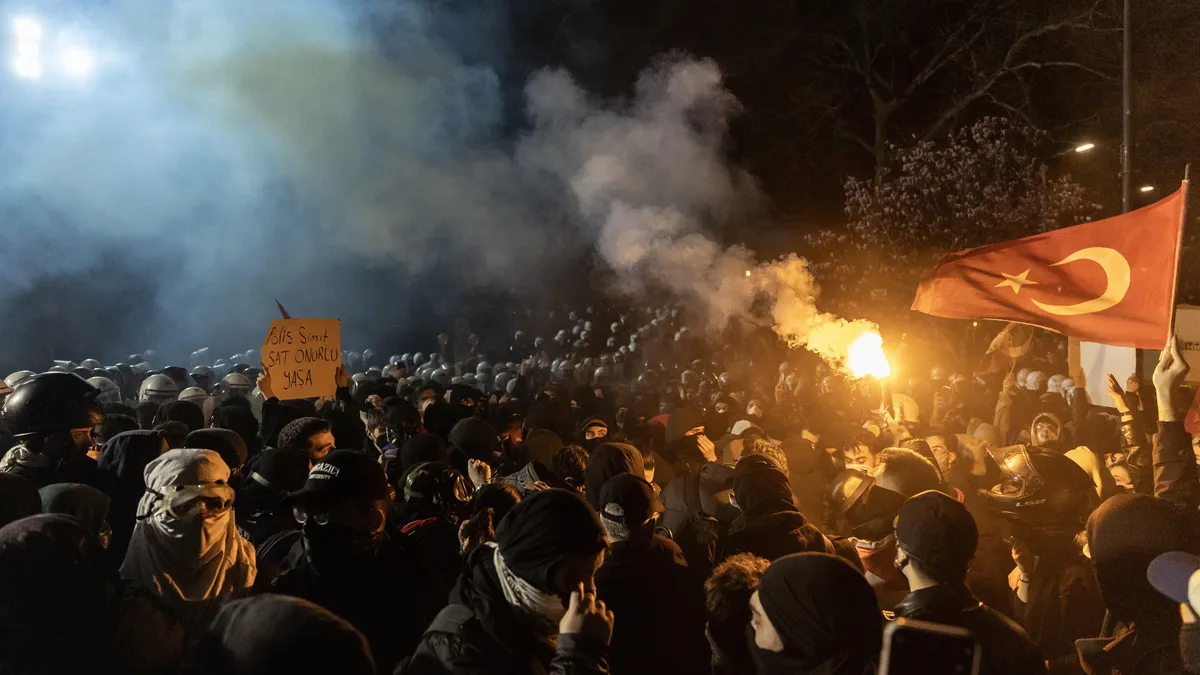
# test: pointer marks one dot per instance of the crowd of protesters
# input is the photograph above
(613, 497)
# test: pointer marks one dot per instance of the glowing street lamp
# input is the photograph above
(1146, 188)
(1085, 147)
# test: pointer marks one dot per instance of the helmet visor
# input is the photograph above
(1021, 478)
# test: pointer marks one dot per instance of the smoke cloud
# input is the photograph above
(348, 161)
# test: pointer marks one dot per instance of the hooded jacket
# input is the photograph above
(490, 626)
(1141, 632)
(770, 526)
(661, 603)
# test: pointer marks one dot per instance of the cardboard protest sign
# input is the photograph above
(302, 357)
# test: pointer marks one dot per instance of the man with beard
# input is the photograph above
(350, 566)
(52, 416)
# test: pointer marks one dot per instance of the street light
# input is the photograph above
(1085, 147)
(1146, 188)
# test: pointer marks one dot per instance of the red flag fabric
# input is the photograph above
(1192, 421)
(1111, 281)
(283, 312)
(1012, 343)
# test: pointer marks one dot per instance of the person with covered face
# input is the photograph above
(770, 526)
(186, 546)
(935, 543)
(1046, 498)
(51, 416)
(814, 614)
(526, 603)
(646, 581)
(350, 565)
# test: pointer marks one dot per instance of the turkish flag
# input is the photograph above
(1111, 281)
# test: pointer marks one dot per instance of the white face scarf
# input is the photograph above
(545, 610)
(188, 561)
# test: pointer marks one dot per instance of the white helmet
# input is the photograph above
(1036, 381)
(201, 398)
(18, 377)
(235, 384)
(1067, 386)
(1054, 384)
(194, 394)
(441, 376)
(1022, 377)
(109, 391)
(157, 389)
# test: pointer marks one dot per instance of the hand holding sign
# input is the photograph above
(301, 358)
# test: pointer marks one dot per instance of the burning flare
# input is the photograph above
(865, 356)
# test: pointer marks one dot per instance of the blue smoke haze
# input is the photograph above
(351, 159)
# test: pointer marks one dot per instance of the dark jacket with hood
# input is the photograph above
(1005, 647)
(481, 632)
(770, 526)
(374, 592)
(122, 466)
(661, 603)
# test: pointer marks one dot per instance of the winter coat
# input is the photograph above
(1004, 646)
(775, 535)
(381, 600)
(479, 633)
(1064, 606)
(661, 604)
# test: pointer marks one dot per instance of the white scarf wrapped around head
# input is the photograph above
(192, 563)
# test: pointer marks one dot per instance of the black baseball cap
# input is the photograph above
(343, 474)
(627, 500)
(937, 529)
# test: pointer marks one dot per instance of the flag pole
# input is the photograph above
(1187, 169)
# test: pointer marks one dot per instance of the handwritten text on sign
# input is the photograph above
(302, 357)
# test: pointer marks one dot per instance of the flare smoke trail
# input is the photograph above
(648, 175)
(226, 153)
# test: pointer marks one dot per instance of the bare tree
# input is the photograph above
(912, 69)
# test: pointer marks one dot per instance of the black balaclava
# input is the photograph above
(826, 614)
(544, 529)
(761, 488)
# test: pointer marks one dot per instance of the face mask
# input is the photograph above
(334, 548)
